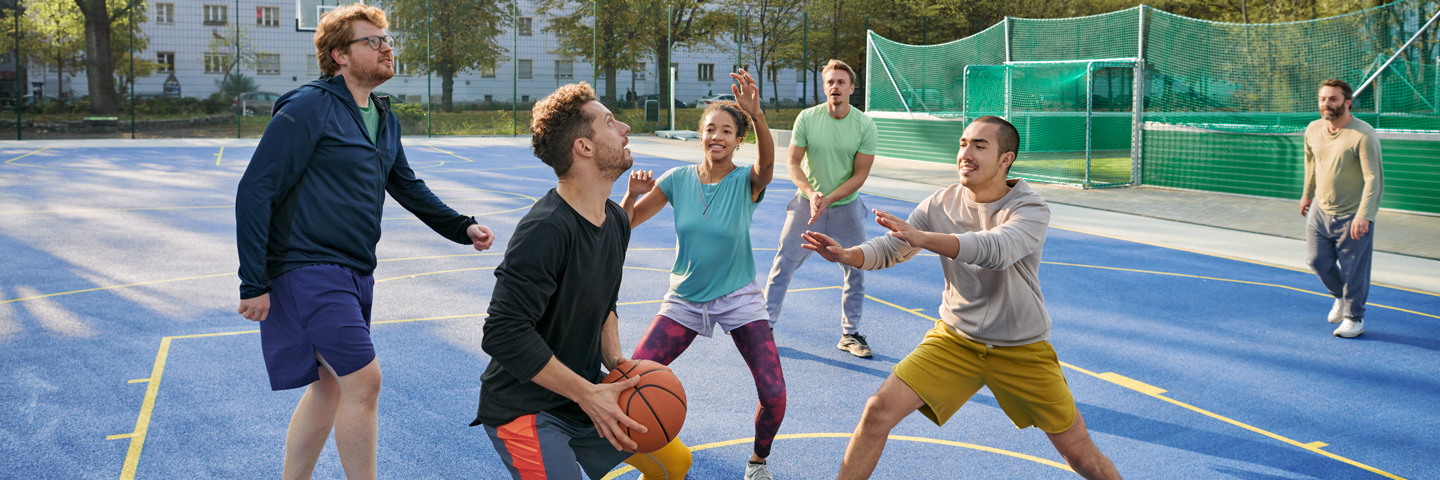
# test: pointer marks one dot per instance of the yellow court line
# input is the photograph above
(432, 147)
(1153, 391)
(115, 209)
(220, 155)
(1255, 262)
(1301, 290)
(147, 407)
(795, 436)
(435, 273)
(113, 287)
(26, 155)
(442, 163)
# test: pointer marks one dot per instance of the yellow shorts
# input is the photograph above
(946, 369)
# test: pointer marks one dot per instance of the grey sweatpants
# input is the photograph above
(845, 224)
(1342, 263)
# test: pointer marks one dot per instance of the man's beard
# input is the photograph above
(1331, 115)
(612, 162)
(372, 75)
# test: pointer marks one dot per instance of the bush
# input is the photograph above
(409, 112)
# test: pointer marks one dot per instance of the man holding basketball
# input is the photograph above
(989, 232)
(552, 320)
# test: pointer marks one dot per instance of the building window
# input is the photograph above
(524, 99)
(487, 72)
(267, 63)
(165, 13)
(675, 66)
(312, 66)
(267, 16)
(736, 68)
(706, 72)
(166, 61)
(774, 72)
(639, 72)
(527, 68)
(489, 98)
(525, 30)
(800, 76)
(564, 69)
(216, 62)
(217, 14)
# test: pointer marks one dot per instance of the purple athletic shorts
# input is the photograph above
(317, 308)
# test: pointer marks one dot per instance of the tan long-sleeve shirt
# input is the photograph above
(992, 287)
(1342, 169)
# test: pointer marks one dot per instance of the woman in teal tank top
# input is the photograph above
(713, 280)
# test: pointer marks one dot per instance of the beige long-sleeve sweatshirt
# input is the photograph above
(1342, 169)
(992, 288)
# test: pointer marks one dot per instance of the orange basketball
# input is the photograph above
(657, 402)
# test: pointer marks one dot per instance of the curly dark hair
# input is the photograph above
(742, 119)
(556, 121)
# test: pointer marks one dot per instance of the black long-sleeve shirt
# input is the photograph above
(557, 285)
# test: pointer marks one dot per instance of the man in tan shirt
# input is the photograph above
(1344, 179)
(989, 232)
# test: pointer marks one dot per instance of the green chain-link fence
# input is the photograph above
(1220, 106)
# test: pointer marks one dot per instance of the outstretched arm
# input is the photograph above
(747, 94)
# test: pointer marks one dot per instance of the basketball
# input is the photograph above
(657, 402)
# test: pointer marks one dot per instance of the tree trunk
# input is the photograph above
(610, 84)
(447, 88)
(99, 64)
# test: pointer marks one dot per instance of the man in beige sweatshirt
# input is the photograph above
(1344, 179)
(993, 327)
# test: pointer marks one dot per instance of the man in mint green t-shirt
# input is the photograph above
(831, 151)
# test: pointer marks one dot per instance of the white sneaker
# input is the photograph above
(1350, 328)
(757, 471)
(1336, 313)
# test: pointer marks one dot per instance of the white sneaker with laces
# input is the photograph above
(1350, 328)
(757, 471)
(1336, 313)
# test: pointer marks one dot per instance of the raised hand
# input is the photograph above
(641, 182)
(747, 93)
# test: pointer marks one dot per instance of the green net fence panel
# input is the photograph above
(1221, 105)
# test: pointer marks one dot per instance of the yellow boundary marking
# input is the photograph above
(113, 287)
(1247, 282)
(137, 438)
(1193, 251)
(432, 147)
(1156, 392)
(115, 209)
(1255, 262)
(794, 436)
(219, 156)
(11, 162)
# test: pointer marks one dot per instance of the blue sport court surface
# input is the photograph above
(123, 355)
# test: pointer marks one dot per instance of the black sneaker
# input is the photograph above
(855, 344)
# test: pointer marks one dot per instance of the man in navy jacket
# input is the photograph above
(308, 216)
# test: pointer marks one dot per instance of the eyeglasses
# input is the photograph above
(376, 40)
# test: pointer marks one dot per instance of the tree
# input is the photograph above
(638, 24)
(462, 36)
(231, 51)
(50, 36)
(771, 26)
(103, 22)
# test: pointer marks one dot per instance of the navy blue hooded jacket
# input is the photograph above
(315, 189)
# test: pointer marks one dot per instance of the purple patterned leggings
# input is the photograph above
(667, 339)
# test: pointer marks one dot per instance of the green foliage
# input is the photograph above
(409, 112)
(233, 85)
